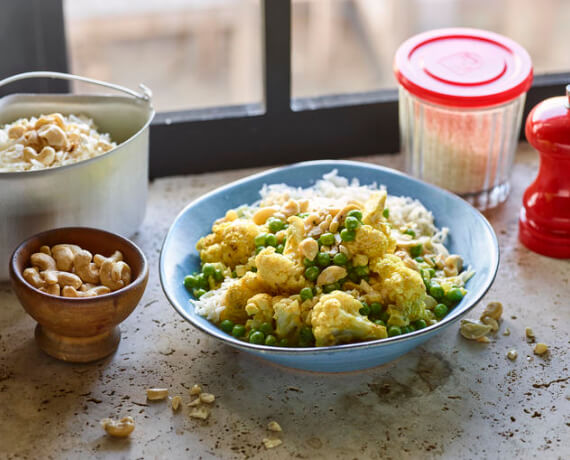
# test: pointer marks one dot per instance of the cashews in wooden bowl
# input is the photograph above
(78, 300)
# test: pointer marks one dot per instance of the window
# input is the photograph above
(315, 79)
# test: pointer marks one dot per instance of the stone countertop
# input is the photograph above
(450, 397)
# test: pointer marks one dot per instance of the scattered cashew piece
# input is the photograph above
(540, 348)
(473, 330)
(118, 429)
(512, 354)
(156, 394)
(207, 398)
(200, 412)
(195, 390)
(175, 403)
(271, 443)
(274, 426)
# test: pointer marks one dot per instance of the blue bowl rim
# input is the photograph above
(454, 315)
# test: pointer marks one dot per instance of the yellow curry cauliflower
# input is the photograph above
(336, 319)
(337, 263)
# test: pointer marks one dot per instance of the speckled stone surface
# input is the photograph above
(450, 398)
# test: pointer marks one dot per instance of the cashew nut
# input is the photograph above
(84, 268)
(207, 398)
(54, 136)
(32, 276)
(115, 275)
(118, 429)
(115, 257)
(335, 224)
(453, 265)
(46, 250)
(309, 248)
(331, 275)
(261, 216)
(52, 289)
(62, 278)
(473, 330)
(493, 310)
(540, 348)
(156, 394)
(290, 208)
(64, 255)
(69, 291)
(175, 403)
(43, 261)
(16, 131)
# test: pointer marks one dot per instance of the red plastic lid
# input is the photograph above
(463, 67)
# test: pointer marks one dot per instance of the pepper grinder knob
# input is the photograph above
(544, 222)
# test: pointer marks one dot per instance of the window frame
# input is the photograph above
(278, 130)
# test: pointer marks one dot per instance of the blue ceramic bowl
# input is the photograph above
(471, 236)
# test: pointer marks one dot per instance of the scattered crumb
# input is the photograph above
(195, 390)
(207, 398)
(529, 333)
(175, 403)
(507, 331)
(274, 426)
(540, 348)
(484, 339)
(512, 354)
(195, 402)
(271, 443)
(200, 412)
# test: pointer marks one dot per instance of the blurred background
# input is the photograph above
(201, 53)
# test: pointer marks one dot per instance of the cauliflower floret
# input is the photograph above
(402, 289)
(371, 242)
(287, 317)
(231, 243)
(237, 295)
(373, 208)
(260, 307)
(336, 319)
(279, 272)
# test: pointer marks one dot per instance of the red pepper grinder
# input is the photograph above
(544, 223)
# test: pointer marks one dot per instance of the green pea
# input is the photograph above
(238, 330)
(308, 262)
(270, 340)
(347, 235)
(405, 329)
(393, 331)
(431, 272)
(190, 282)
(227, 325)
(279, 249)
(203, 281)
(365, 309)
(353, 276)
(454, 295)
(271, 240)
(234, 274)
(436, 291)
(340, 259)
(208, 269)
(410, 232)
(420, 324)
(362, 270)
(266, 328)
(306, 293)
(386, 213)
(323, 259)
(260, 239)
(306, 336)
(312, 273)
(355, 213)
(351, 223)
(327, 239)
(419, 259)
(375, 309)
(284, 342)
(416, 251)
(218, 275)
(385, 316)
(253, 269)
(327, 288)
(257, 337)
(411, 327)
(275, 224)
(440, 310)
(198, 292)
(258, 249)
(379, 322)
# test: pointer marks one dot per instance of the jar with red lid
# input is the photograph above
(461, 98)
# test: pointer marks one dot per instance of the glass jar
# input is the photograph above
(461, 99)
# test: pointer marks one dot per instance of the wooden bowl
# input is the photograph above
(79, 329)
